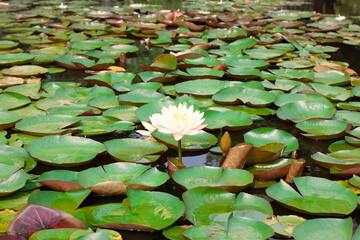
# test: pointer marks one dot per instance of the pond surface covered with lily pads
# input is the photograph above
(278, 87)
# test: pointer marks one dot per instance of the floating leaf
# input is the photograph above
(232, 180)
(135, 150)
(64, 150)
(146, 211)
(33, 218)
(317, 196)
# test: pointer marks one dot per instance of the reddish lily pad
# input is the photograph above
(33, 218)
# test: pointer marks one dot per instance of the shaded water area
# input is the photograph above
(307, 146)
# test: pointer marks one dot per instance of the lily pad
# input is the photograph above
(163, 63)
(140, 96)
(232, 180)
(24, 70)
(229, 120)
(237, 228)
(264, 53)
(271, 170)
(284, 225)
(261, 136)
(332, 77)
(123, 112)
(113, 179)
(145, 211)
(64, 201)
(33, 217)
(8, 59)
(323, 129)
(305, 110)
(239, 95)
(324, 228)
(135, 150)
(47, 125)
(14, 182)
(339, 160)
(316, 196)
(8, 120)
(201, 88)
(213, 206)
(64, 150)
(11, 100)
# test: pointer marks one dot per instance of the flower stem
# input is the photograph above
(179, 150)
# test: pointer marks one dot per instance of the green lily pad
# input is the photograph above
(271, 170)
(239, 95)
(332, 92)
(229, 120)
(24, 70)
(75, 110)
(64, 150)
(284, 225)
(324, 228)
(60, 180)
(113, 179)
(347, 116)
(8, 120)
(145, 211)
(340, 145)
(123, 112)
(97, 125)
(163, 63)
(140, 96)
(332, 77)
(200, 62)
(292, 97)
(201, 88)
(213, 206)
(47, 125)
(237, 228)
(104, 102)
(243, 72)
(297, 64)
(323, 129)
(8, 59)
(200, 141)
(161, 77)
(4, 44)
(261, 136)
(246, 63)
(121, 48)
(200, 73)
(88, 45)
(232, 180)
(339, 160)
(64, 201)
(305, 110)
(11, 100)
(14, 182)
(264, 53)
(135, 150)
(317, 196)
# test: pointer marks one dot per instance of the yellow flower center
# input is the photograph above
(180, 115)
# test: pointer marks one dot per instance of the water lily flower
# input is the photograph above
(176, 15)
(340, 18)
(178, 120)
(149, 129)
(62, 6)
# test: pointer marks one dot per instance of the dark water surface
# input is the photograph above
(307, 147)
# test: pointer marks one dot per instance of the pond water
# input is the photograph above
(307, 147)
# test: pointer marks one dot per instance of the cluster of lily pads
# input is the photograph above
(239, 62)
